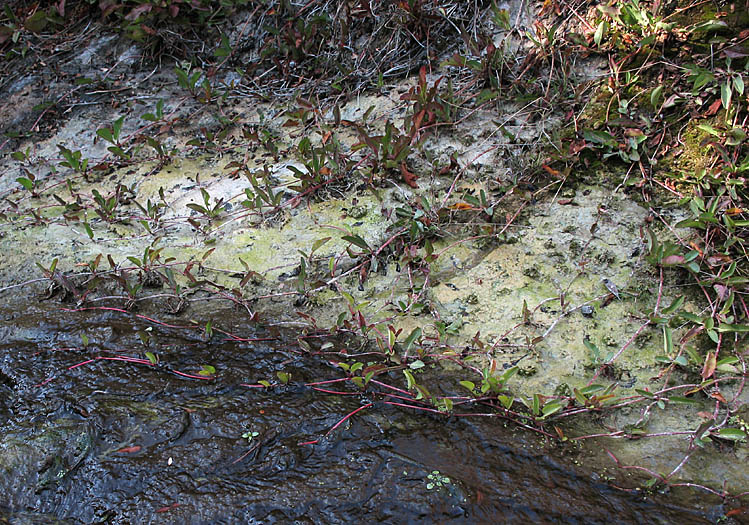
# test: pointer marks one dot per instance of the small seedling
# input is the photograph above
(436, 480)
(112, 135)
(250, 435)
(210, 212)
(207, 371)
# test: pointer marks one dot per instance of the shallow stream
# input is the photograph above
(127, 442)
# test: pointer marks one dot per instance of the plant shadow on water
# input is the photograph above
(132, 442)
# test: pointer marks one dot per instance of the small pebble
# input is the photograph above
(587, 310)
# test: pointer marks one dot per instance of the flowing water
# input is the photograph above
(115, 441)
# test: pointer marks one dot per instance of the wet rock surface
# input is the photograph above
(69, 449)
(130, 443)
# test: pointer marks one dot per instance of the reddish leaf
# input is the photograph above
(691, 333)
(576, 146)
(709, 368)
(130, 450)
(718, 259)
(552, 171)
(417, 120)
(719, 397)
(137, 11)
(672, 260)
(167, 508)
(408, 177)
(713, 109)
(721, 290)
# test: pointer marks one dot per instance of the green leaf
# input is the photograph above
(207, 370)
(595, 352)
(410, 381)
(655, 96)
(600, 32)
(151, 357)
(725, 94)
(600, 137)
(41, 107)
(468, 385)
(106, 134)
(198, 208)
(551, 408)
(26, 183)
(675, 305)
(318, 243)
(683, 400)
(117, 127)
(36, 22)
(734, 434)
(708, 129)
(506, 401)
(580, 398)
(137, 262)
(358, 241)
(710, 26)
(647, 41)
(413, 336)
(668, 345)
(416, 364)
(591, 389)
(693, 355)
(738, 84)
(224, 49)
(725, 327)
(508, 374)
